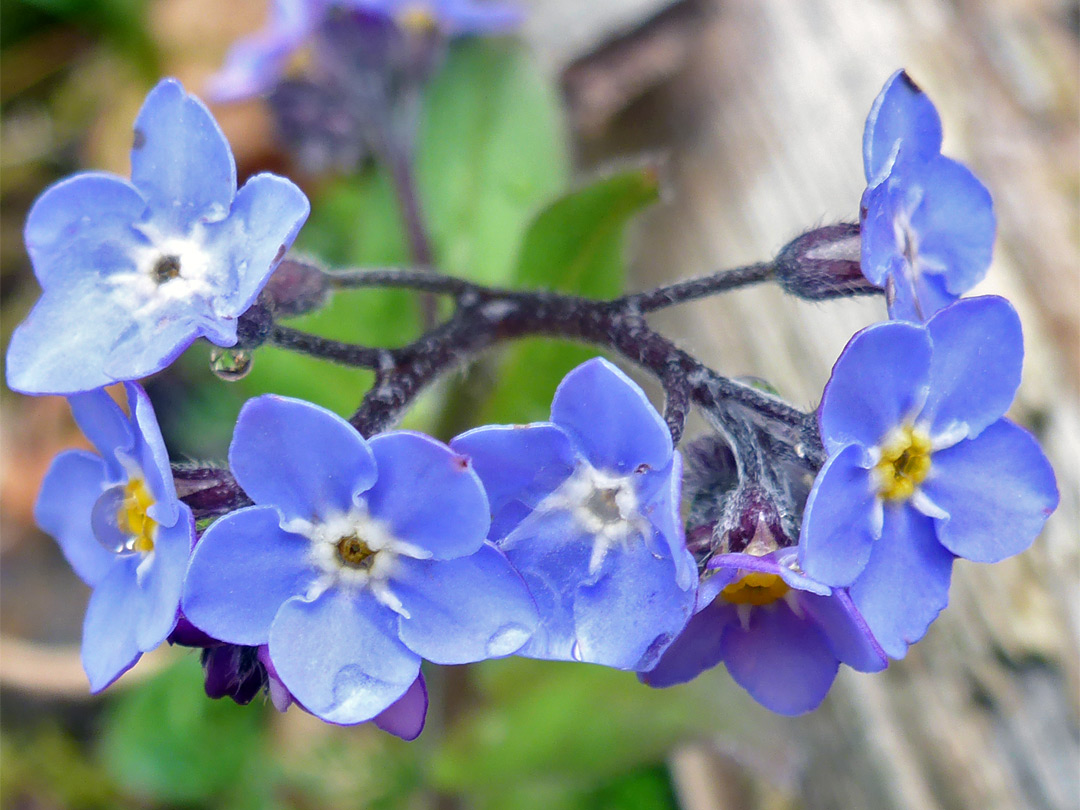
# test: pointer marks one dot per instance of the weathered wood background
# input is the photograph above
(760, 106)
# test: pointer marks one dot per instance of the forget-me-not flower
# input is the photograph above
(133, 272)
(359, 558)
(927, 223)
(922, 466)
(120, 525)
(586, 507)
(255, 64)
(781, 635)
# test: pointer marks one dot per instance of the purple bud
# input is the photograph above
(824, 263)
(297, 288)
(233, 671)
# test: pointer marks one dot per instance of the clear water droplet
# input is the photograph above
(230, 364)
(105, 521)
(507, 639)
(575, 652)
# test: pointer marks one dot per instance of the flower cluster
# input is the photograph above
(334, 556)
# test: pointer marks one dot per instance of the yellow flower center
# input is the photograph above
(417, 17)
(756, 588)
(904, 464)
(132, 519)
(354, 552)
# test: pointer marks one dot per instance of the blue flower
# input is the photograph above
(254, 64)
(358, 559)
(927, 223)
(586, 507)
(781, 635)
(120, 525)
(922, 466)
(133, 272)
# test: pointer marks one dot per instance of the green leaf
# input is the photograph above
(167, 741)
(575, 245)
(571, 726)
(491, 151)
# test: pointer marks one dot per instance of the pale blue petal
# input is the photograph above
(663, 512)
(265, 218)
(152, 456)
(519, 466)
(242, 571)
(906, 584)
(838, 528)
(109, 644)
(72, 485)
(998, 489)
(428, 494)
(901, 114)
(975, 369)
(879, 381)
(104, 423)
(340, 657)
(81, 227)
(610, 419)
(463, 610)
(304, 460)
(162, 582)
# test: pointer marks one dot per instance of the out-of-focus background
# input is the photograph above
(755, 108)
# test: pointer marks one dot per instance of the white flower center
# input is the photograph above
(355, 550)
(167, 270)
(605, 505)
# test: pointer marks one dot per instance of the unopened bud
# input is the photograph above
(824, 263)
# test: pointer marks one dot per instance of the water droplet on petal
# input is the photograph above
(105, 521)
(575, 652)
(230, 364)
(507, 639)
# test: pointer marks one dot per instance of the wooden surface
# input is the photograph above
(761, 111)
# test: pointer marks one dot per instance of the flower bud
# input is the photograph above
(824, 263)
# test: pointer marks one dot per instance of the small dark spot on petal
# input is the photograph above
(863, 212)
(642, 468)
(462, 462)
(909, 82)
(280, 254)
(140, 139)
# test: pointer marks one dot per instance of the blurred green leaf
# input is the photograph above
(575, 245)
(491, 150)
(46, 767)
(568, 725)
(165, 740)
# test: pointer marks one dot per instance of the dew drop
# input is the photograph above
(104, 521)
(575, 651)
(230, 364)
(507, 639)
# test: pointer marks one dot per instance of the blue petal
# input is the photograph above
(242, 571)
(879, 381)
(998, 489)
(519, 466)
(901, 114)
(181, 161)
(696, 649)
(610, 419)
(161, 584)
(919, 299)
(459, 17)
(879, 255)
(463, 610)
(633, 611)
(145, 345)
(954, 221)
(152, 456)
(103, 422)
(838, 528)
(72, 485)
(663, 512)
(265, 218)
(340, 657)
(405, 717)
(82, 227)
(305, 460)
(784, 662)
(109, 644)
(906, 584)
(428, 494)
(845, 629)
(975, 370)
